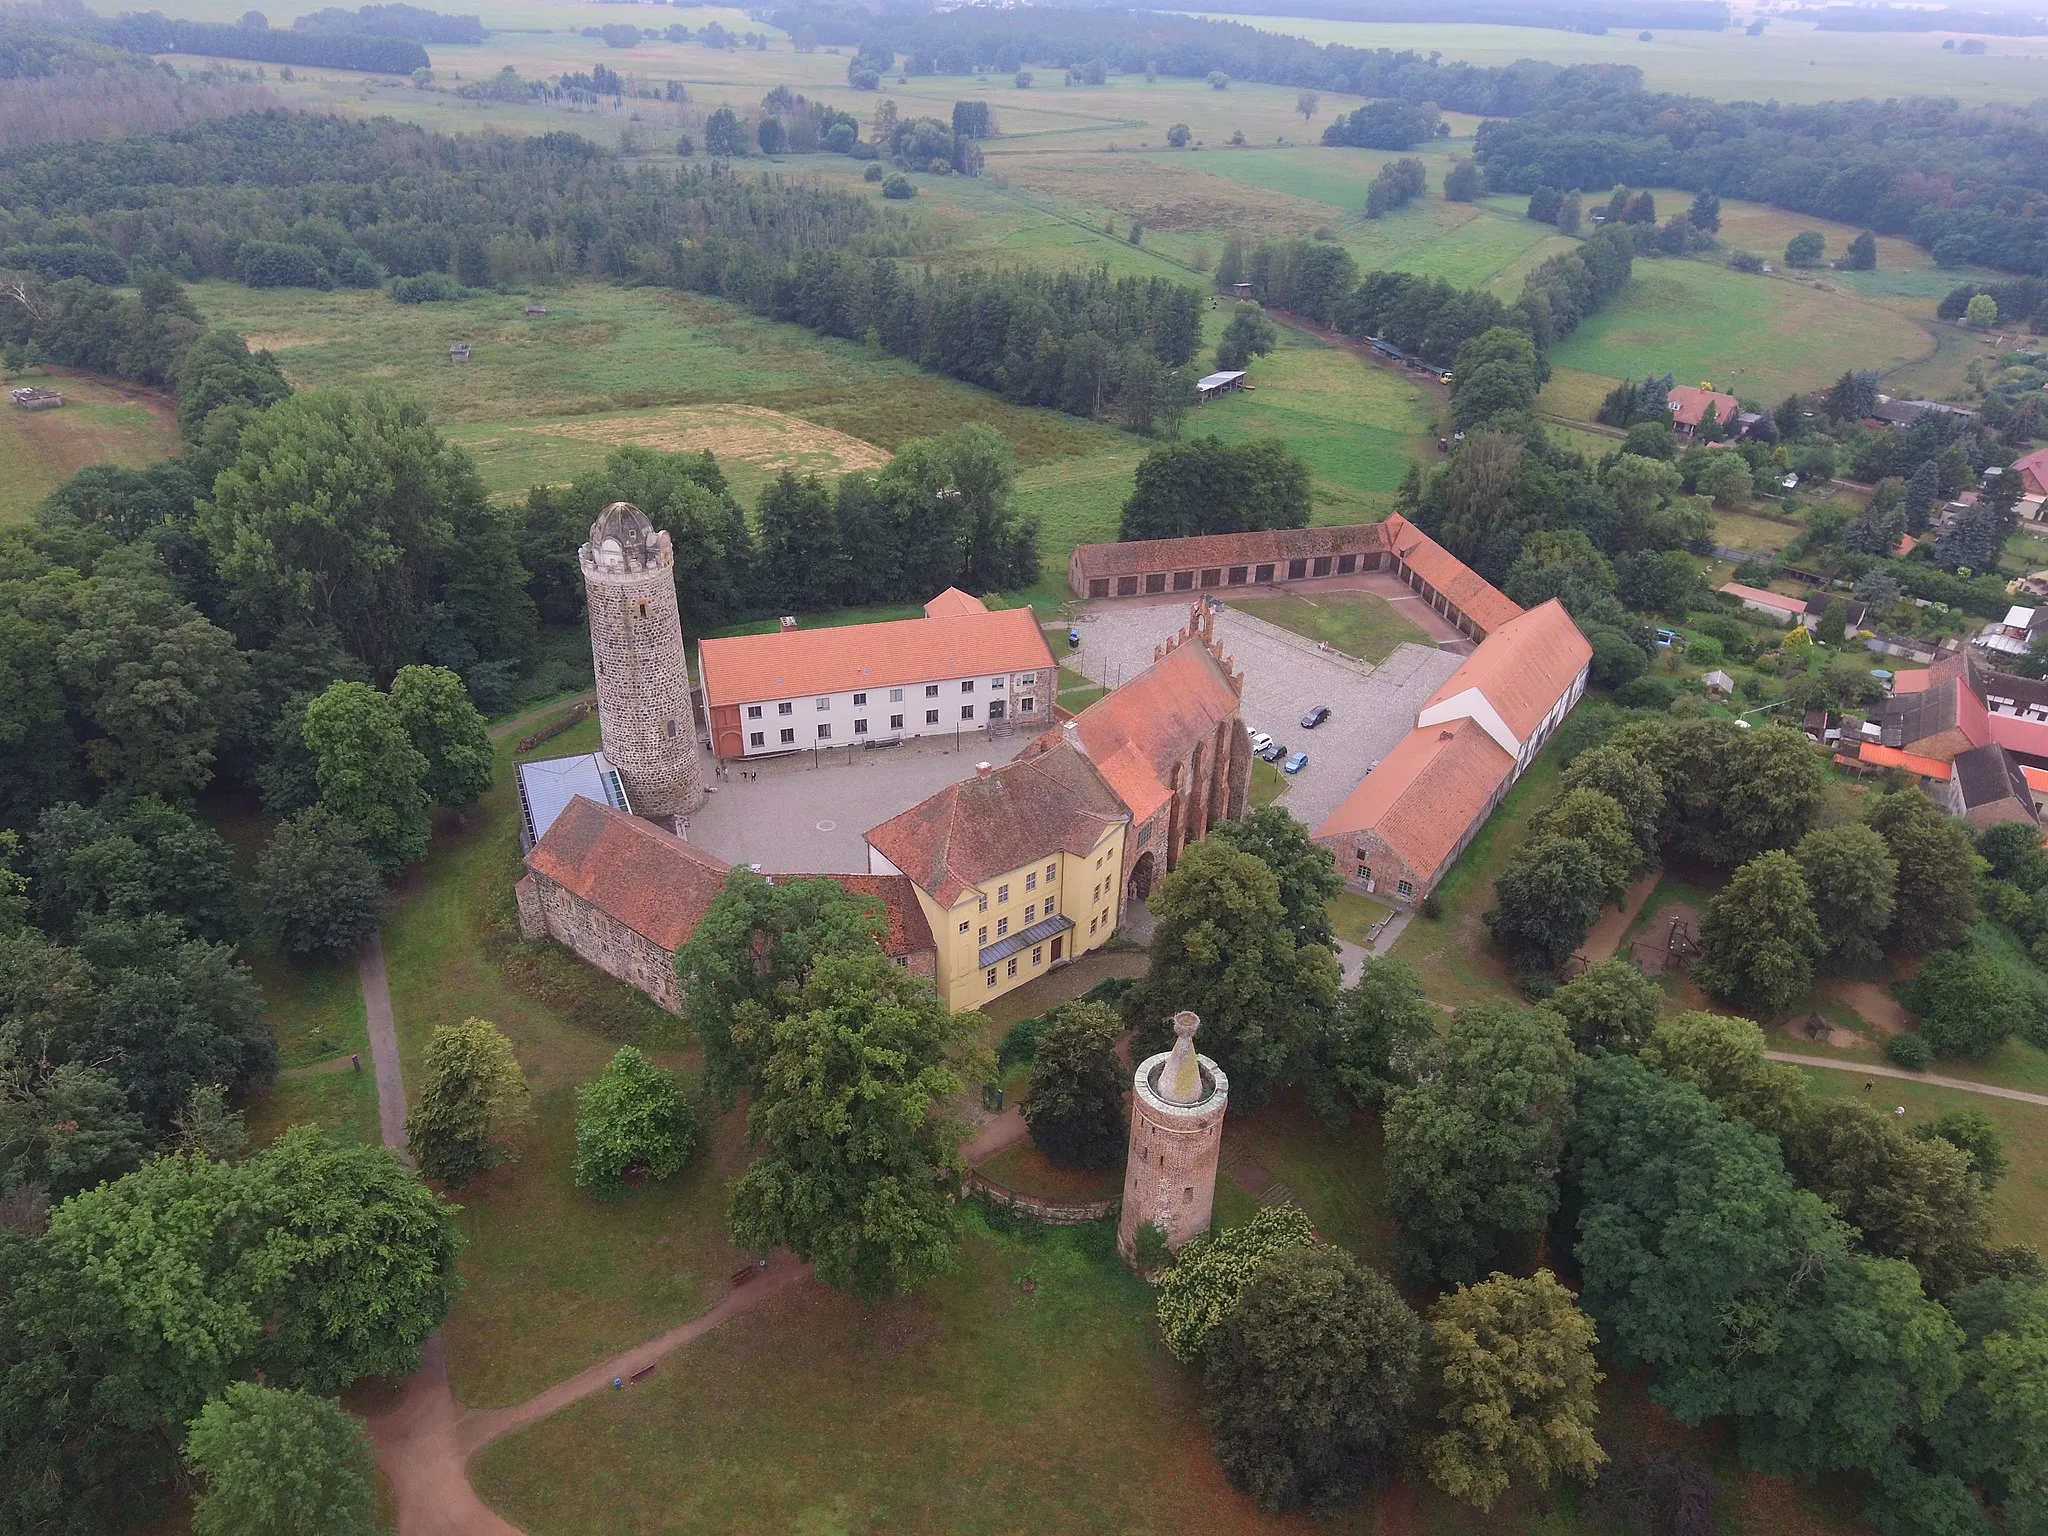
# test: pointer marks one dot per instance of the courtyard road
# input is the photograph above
(1371, 707)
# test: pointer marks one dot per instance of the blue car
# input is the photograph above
(1295, 763)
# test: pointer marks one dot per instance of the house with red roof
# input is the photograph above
(1398, 833)
(1690, 406)
(2033, 472)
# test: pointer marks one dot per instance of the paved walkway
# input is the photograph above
(383, 1044)
(1990, 1090)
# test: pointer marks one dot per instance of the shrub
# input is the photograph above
(1910, 1050)
(427, 288)
(898, 187)
(872, 173)
(1213, 1270)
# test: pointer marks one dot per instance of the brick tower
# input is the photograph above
(1177, 1104)
(643, 680)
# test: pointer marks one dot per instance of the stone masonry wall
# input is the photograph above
(1170, 1177)
(643, 682)
(605, 942)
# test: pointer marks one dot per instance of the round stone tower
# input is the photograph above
(643, 680)
(1177, 1104)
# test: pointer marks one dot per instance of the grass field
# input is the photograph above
(1352, 916)
(1356, 623)
(1757, 337)
(101, 421)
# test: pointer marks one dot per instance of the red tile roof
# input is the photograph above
(1426, 793)
(1871, 755)
(1135, 734)
(952, 602)
(655, 883)
(1523, 668)
(793, 663)
(2033, 470)
(1689, 405)
(1472, 594)
(1207, 550)
(1777, 600)
(999, 821)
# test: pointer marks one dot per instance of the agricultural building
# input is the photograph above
(1987, 786)
(1958, 704)
(1772, 605)
(29, 398)
(1213, 386)
(1222, 561)
(958, 670)
(1405, 824)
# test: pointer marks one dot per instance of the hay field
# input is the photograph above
(102, 421)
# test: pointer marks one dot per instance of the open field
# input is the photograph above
(1790, 62)
(101, 421)
(1757, 337)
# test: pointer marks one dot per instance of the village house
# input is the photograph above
(1987, 785)
(1772, 605)
(1218, 562)
(1401, 829)
(2033, 473)
(960, 669)
(1955, 706)
(1689, 406)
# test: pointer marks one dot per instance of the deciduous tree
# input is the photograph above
(1473, 1147)
(1381, 1021)
(1212, 1270)
(750, 957)
(1306, 870)
(280, 1463)
(1510, 1363)
(370, 774)
(1610, 1006)
(1724, 1058)
(1853, 881)
(1937, 898)
(1969, 1004)
(317, 893)
(1309, 1380)
(859, 1163)
(446, 730)
(471, 1104)
(1974, 1134)
(1585, 815)
(631, 1121)
(1074, 1107)
(1546, 900)
(1223, 948)
(1759, 941)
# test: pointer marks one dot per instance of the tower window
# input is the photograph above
(642, 606)
(671, 730)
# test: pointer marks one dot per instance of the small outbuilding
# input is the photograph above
(1719, 683)
(31, 399)
(1210, 385)
(459, 353)
(536, 311)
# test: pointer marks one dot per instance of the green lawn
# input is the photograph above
(1023, 1168)
(1356, 623)
(1352, 916)
(552, 1280)
(1452, 953)
(1268, 782)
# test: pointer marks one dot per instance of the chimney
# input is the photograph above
(1072, 736)
(983, 770)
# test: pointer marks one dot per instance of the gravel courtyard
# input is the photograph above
(1371, 707)
(807, 815)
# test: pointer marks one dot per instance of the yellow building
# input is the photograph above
(1017, 869)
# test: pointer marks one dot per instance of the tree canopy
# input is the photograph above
(1074, 1107)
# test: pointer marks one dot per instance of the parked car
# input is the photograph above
(1315, 717)
(1261, 741)
(1272, 751)
(1295, 763)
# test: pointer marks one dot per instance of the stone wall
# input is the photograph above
(598, 938)
(1054, 1213)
